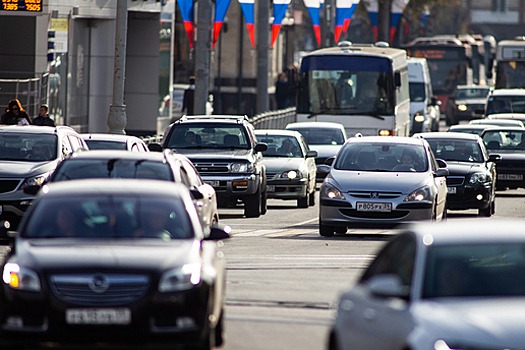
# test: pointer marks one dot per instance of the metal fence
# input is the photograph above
(31, 92)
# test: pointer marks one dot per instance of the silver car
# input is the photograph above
(378, 179)
(439, 286)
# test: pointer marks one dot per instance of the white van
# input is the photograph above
(424, 107)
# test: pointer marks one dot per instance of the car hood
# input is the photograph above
(377, 181)
(25, 169)
(215, 154)
(471, 101)
(325, 151)
(70, 253)
(462, 168)
(495, 323)
(518, 116)
(275, 165)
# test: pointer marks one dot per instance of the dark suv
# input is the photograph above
(28, 156)
(226, 153)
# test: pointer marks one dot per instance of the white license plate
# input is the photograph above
(270, 188)
(371, 206)
(510, 177)
(214, 183)
(452, 190)
(98, 316)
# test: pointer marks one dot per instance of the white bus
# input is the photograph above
(363, 87)
(510, 64)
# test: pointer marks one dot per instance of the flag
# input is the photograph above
(186, 10)
(247, 10)
(279, 10)
(341, 11)
(350, 13)
(221, 7)
(398, 6)
(313, 7)
(373, 8)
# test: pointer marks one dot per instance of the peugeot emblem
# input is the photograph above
(374, 194)
(99, 283)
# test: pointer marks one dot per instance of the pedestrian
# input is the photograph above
(43, 118)
(15, 114)
(188, 99)
(281, 90)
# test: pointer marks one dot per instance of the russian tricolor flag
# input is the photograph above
(279, 10)
(349, 14)
(398, 6)
(247, 10)
(341, 11)
(186, 10)
(221, 7)
(313, 7)
(373, 9)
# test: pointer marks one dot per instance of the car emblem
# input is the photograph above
(374, 194)
(99, 283)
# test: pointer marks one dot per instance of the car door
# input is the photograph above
(310, 163)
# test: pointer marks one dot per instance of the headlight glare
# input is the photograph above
(331, 192)
(462, 108)
(421, 194)
(419, 117)
(291, 174)
(20, 278)
(179, 279)
(36, 180)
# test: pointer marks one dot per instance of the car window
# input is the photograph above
(322, 136)
(76, 142)
(192, 174)
(101, 144)
(456, 150)
(28, 147)
(281, 146)
(209, 135)
(502, 140)
(115, 216)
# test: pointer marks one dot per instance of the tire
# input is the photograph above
(264, 203)
(311, 199)
(302, 202)
(326, 230)
(341, 229)
(252, 205)
(488, 211)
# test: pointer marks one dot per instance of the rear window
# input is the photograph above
(322, 136)
(94, 144)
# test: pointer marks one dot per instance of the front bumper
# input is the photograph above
(233, 187)
(287, 189)
(469, 197)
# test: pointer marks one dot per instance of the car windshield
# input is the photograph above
(28, 147)
(505, 104)
(209, 135)
(456, 150)
(72, 169)
(322, 136)
(475, 270)
(281, 146)
(109, 216)
(504, 140)
(470, 93)
(384, 157)
(98, 144)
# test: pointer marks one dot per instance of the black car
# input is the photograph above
(471, 181)
(28, 156)
(509, 144)
(467, 103)
(225, 151)
(116, 261)
(166, 166)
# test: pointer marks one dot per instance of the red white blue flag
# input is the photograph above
(341, 11)
(313, 7)
(221, 7)
(279, 10)
(247, 10)
(373, 8)
(186, 10)
(349, 15)
(398, 6)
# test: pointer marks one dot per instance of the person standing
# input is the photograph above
(281, 91)
(188, 99)
(43, 118)
(15, 114)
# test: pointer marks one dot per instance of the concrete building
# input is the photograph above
(503, 19)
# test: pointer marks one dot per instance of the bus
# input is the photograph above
(363, 87)
(510, 64)
(453, 60)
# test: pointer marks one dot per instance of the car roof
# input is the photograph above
(327, 125)
(484, 87)
(471, 126)
(124, 154)
(387, 139)
(277, 132)
(107, 137)
(33, 129)
(508, 92)
(505, 128)
(495, 121)
(222, 118)
(447, 135)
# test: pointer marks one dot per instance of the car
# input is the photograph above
(497, 122)
(438, 286)
(509, 144)
(115, 141)
(166, 166)
(472, 176)
(114, 261)
(475, 129)
(290, 166)
(326, 138)
(386, 180)
(510, 102)
(467, 103)
(28, 156)
(227, 155)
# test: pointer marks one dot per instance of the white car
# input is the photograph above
(115, 142)
(439, 286)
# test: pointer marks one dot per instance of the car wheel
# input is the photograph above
(341, 229)
(264, 203)
(326, 230)
(488, 211)
(311, 199)
(302, 202)
(252, 205)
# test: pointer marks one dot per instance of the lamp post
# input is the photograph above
(288, 26)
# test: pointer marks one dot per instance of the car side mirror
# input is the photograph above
(218, 233)
(311, 154)
(387, 286)
(261, 147)
(323, 168)
(196, 194)
(330, 161)
(397, 78)
(154, 147)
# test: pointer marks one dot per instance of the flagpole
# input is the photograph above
(202, 57)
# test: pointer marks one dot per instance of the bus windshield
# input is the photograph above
(510, 74)
(346, 85)
(446, 75)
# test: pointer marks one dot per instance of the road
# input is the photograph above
(284, 279)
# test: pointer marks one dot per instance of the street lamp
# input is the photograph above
(288, 26)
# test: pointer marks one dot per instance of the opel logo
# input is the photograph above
(98, 283)
(374, 194)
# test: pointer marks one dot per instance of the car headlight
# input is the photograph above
(419, 117)
(291, 174)
(21, 278)
(36, 180)
(178, 279)
(462, 108)
(478, 178)
(421, 194)
(241, 168)
(329, 191)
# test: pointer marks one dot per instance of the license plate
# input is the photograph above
(98, 316)
(371, 206)
(452, 190)
(270, 188)
(510, 177)
(214, 183)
